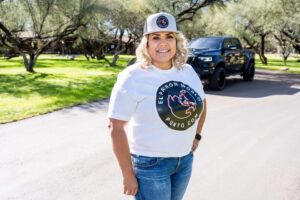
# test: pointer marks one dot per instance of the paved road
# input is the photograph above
(250, 148)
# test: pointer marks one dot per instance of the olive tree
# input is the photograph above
(45, 21)
(247, 20)
(286, 25)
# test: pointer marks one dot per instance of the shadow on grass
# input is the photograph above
(266, 83)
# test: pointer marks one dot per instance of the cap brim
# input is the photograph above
(160, 31)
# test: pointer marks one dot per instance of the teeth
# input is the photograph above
(164, 51)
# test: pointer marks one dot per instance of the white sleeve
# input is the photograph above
(197, 80)
(201, 92)
(123, 98)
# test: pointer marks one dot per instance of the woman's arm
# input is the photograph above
(202, 118)
(121, 150)
(200, 126)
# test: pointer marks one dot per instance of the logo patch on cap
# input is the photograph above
(162, 22)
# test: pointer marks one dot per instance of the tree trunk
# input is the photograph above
(285, 54)
(284, 60)
(262, 56)
(258, 49)
(133, 60)
(120, 42)
(86, 56)
(113, 63)
(116, 57)
(30, 64)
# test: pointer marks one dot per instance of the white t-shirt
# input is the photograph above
(162, 106)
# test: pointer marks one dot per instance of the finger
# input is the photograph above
(132, 192)
(127, 192)
(135, 191)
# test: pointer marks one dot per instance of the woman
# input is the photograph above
(161, 102)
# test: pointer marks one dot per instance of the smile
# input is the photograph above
(163, 51)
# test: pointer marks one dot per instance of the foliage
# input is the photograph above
(256, 23)
(41, 23)
(287, 25)
(128, 17)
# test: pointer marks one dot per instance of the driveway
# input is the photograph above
(250, 148)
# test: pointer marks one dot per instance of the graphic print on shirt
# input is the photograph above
(178, 105)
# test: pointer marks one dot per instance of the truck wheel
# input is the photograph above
(218, 80)
(248, 74)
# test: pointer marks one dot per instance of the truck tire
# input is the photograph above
(249, 72)
(218, 80)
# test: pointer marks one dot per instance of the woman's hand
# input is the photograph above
(130, 184)
(195, 145)
(121, 150)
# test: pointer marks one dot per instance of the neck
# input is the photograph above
(163, 66)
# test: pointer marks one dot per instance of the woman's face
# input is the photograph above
(162, 48)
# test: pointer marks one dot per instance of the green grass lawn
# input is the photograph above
(57, 83)
(275, 62)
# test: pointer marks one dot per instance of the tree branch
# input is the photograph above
(194, 7)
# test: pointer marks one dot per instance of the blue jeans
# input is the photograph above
(162, 178)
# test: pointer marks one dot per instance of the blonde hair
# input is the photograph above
(178, 60)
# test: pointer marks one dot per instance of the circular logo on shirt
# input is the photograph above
(178, 105)
(162, 22)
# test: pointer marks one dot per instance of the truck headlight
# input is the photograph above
(206, 59)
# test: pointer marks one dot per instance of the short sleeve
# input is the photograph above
(196, 79)
(123, 102)
(201, 92)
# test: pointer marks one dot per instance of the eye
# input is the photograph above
(155, 38)
(170, 36)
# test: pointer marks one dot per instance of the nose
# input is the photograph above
(163, 42)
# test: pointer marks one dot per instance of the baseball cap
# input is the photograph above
(160, 22)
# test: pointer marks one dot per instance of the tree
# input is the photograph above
(183, 10)
(247, 20)
(107, 28)
(284, 44)
(46, 22)
(128, 17)
(287, 24)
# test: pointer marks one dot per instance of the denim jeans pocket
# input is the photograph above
(143, 161)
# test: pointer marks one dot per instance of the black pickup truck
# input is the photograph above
(214, 58)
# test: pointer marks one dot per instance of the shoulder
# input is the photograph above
(131, 70)
(187, 68)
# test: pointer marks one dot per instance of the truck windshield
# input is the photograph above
(205, 43)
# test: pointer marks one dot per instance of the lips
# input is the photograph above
(163, 51)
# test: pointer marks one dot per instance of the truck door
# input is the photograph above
(228, 55)
(239, 55)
